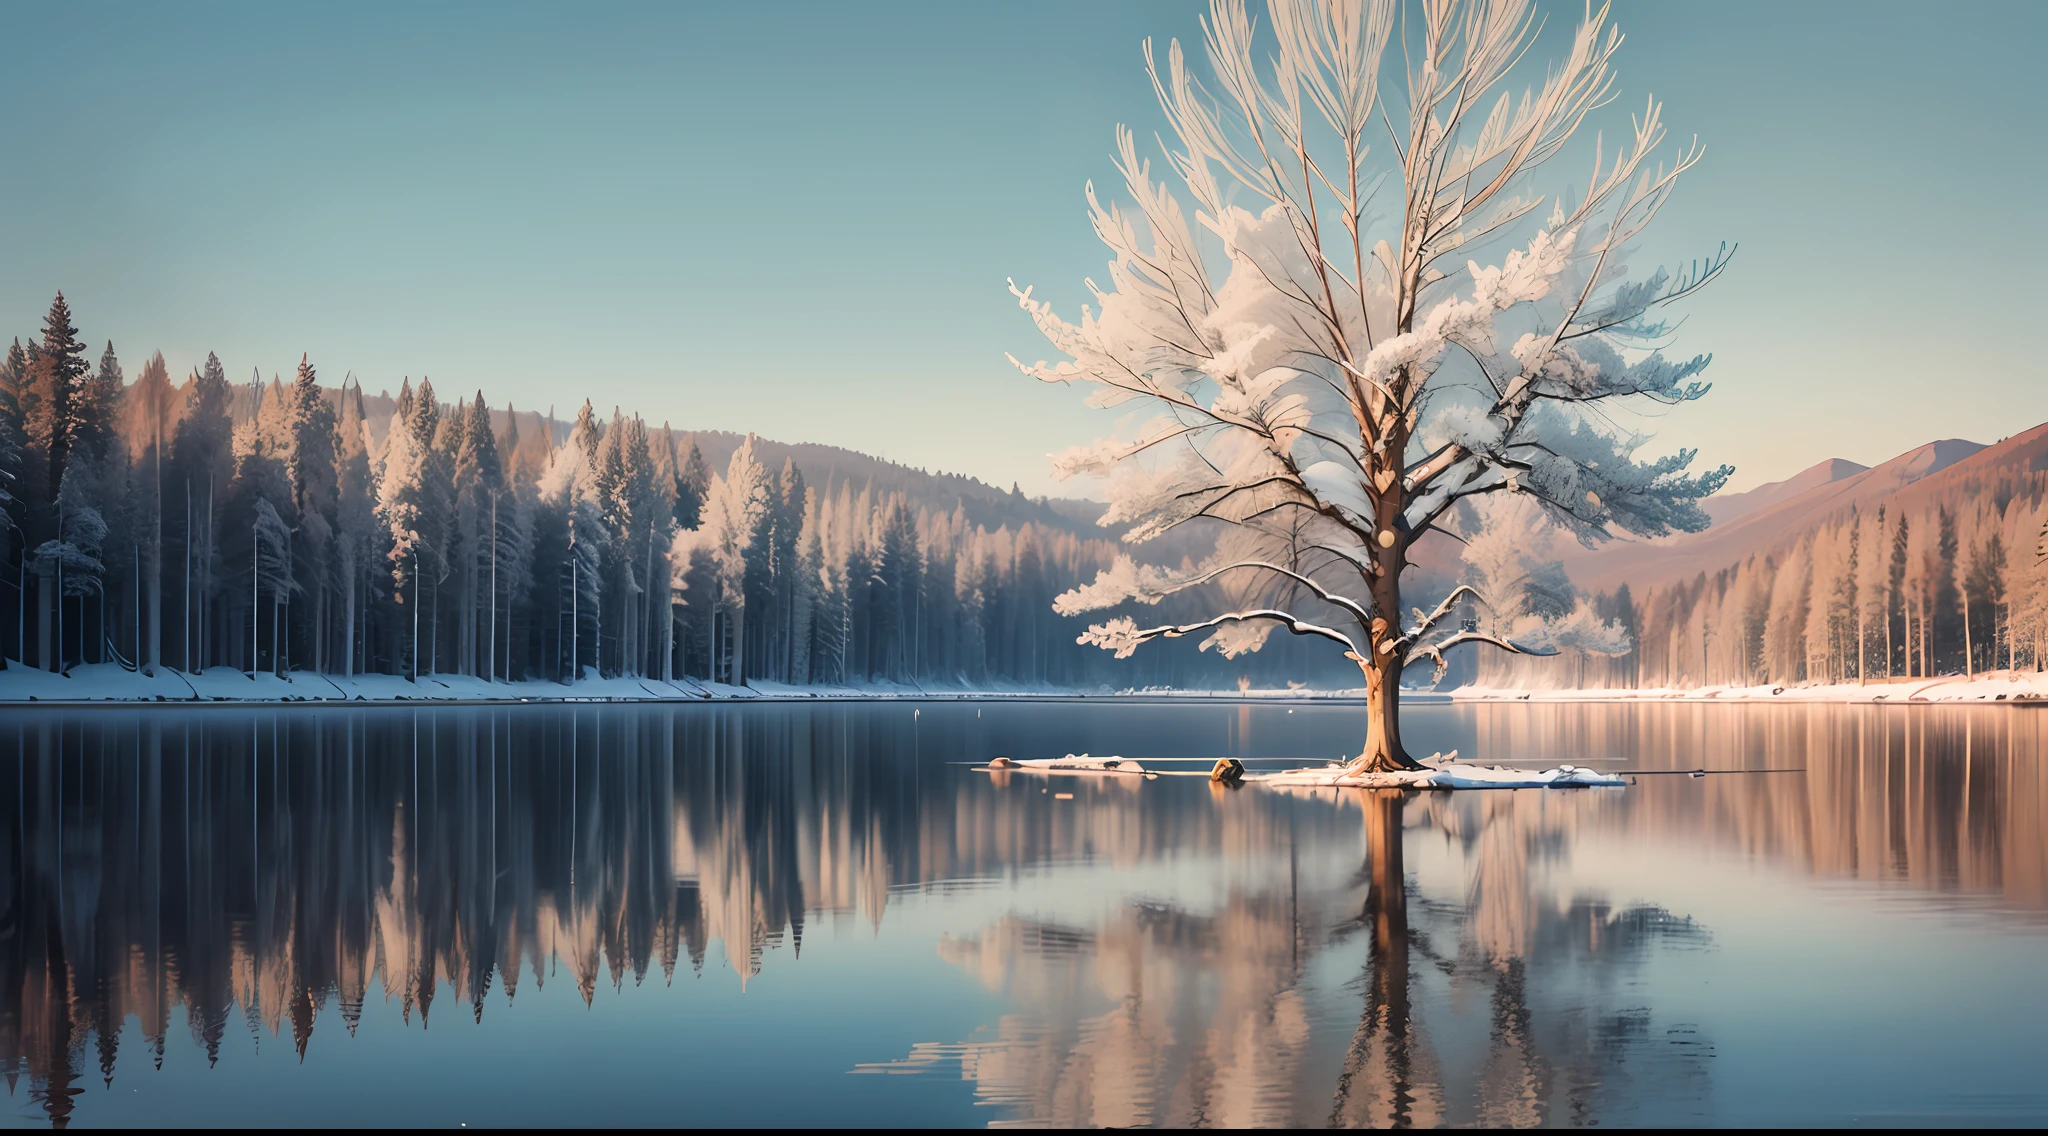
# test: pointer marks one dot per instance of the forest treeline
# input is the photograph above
(1944, 577)
(276, 527)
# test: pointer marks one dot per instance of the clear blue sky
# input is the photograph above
(797, 218)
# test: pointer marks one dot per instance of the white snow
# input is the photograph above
(1073, 763)
(1990, 686)
(1453, 775)
(110, 682)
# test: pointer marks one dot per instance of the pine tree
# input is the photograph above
(202, 467)
(1896, 616)
(271, 569)
(692, 481)
(479, 483)
(416, 510)
(69, 565)
(1945, 597)
(14, 484)
(151, 400)
(57, 370)
(96, 407)
(355, 528)
(311, 464)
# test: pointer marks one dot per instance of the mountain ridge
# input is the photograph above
(1777, 518)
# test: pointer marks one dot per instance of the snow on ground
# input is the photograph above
(1451, 775)
(1990, 686)
(1446, 773)
(108, 682)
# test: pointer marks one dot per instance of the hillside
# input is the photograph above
(1725, 507)
(829, 466)
(826, 467)
(1920, 566)
(1777, 515)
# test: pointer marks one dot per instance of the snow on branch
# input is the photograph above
(1235, 633)
(1375, 325)
(1127, 580)
(1435, 651)
(1423, 623)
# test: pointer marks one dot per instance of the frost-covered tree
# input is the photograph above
(13, 483)
(152, 403)
(311, 462)
(271, 574)
(1873, 544)
(569, 491)
(202, 465)
(1330, 386)
(734, 506)
(413, 502)
(69, 565)
(479, 477)
(1530, 601)
(355, 524)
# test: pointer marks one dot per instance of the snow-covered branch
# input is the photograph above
(1126, 580)
(1124, 636)
(1423, 623)
(1330, 372)
(1435, 651)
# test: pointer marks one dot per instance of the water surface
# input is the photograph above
(816, 915)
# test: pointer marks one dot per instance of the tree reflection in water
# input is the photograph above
(1162, 1016)
(1170, 952)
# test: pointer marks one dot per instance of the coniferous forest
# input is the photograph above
(272, 525)
(286, 525)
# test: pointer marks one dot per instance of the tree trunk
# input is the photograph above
(1969, 644)
(1383, 751)
(348, 635)
(1382, 668)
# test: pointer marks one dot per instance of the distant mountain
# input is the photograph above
(1726, 507)
(1777, 515)
(828, 467)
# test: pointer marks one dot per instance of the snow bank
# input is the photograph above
(1991, 686)
(1454, 775)
(1073, 763)
(1450, 775)
(108, 682)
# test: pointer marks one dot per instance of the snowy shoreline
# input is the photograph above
(2016, 687)
(112, 685)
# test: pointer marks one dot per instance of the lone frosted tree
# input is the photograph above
(1328, 371)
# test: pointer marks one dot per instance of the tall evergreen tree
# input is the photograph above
(479, 484)
(152, 403)
(14, 484)
(57, 371)
(69, 565)
(202, 467)
(1945, 601)
(94, 410)
(355, 520)
(692, 481)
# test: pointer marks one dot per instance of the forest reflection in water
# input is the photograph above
(1162, 953)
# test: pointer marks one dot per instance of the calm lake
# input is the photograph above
(818, 915)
